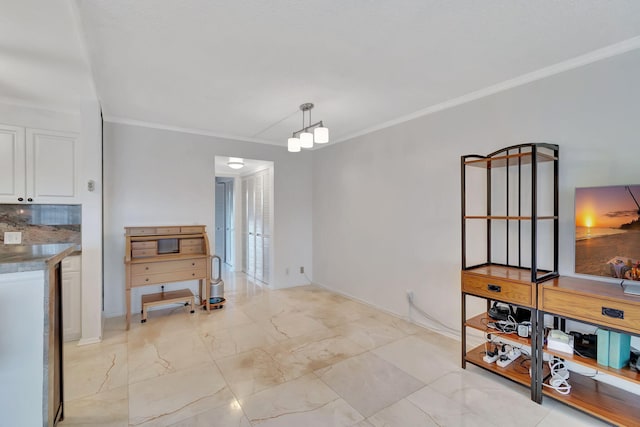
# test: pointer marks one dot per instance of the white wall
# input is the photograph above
(160, 177)
(387, 204)
(91, 170)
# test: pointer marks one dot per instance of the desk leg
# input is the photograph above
(128, 313)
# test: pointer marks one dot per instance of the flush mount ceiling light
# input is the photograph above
(303, 138)
(235, 163)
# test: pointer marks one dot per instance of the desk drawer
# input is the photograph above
(502, 290)
(152, 244)
(192, 229)
(191, 242)
(168, 266)
(172, 276)
(142, 253)
(142, 231)
(191, 250)
(168, 230)
(191, 246)
(593, 309)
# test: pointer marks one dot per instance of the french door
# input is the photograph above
(257, 215)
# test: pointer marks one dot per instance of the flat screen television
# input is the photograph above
(608, 231)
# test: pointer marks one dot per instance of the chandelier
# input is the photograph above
(303, 138)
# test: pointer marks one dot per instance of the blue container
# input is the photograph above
(619, 350)
(603, 347)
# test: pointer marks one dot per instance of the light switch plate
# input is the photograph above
(12, 237)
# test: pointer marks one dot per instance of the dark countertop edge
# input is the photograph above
(39, 264)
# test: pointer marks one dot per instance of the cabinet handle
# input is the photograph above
(146, 280)
(146, 268)
(494, 288)
(613, 312)
(193, 274)
(29, 199)
(20, 199)
(193, 264)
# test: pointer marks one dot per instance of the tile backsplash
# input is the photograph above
(42, 223)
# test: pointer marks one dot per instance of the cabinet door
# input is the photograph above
(71, 297)
(52, 166)
(12, 164)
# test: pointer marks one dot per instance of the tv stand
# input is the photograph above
(159, 255)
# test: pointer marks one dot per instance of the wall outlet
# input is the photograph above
(12, 237)
(301, 270)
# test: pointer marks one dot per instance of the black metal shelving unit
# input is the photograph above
(517, 190)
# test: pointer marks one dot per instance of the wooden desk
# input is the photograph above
(160, 255)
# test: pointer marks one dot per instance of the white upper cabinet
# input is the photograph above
(38, 166)
(12, 164)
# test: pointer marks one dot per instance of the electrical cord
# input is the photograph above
(429, 317)
(559, 377)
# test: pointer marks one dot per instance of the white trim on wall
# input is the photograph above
(579, 61)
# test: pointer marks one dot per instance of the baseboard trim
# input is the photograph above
(391, 313)
(87, 341)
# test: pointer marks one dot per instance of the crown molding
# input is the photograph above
(194, 131)
(38, 106)
(570, 64)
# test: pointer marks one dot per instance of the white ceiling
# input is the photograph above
(42, 60)
(242, 68)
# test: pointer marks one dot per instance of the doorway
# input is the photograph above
(244, 217)
(224, 220)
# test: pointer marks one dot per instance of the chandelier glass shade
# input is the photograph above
(293, 145)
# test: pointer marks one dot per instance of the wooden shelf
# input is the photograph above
(508, 160)
(480, 321)
(509, 218)
(162, 298)
(516, 274)
(169, 297)
(599, 399)
(624, 373)
(515, 371)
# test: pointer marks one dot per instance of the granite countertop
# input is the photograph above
(19, 258)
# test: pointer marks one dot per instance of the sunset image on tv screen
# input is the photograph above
(608, 231)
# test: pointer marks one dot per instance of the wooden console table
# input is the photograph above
(159, 255)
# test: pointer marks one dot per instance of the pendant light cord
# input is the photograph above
(276, 123)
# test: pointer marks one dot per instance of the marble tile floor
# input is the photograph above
(293, 357)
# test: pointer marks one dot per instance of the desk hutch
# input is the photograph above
(159, 255)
